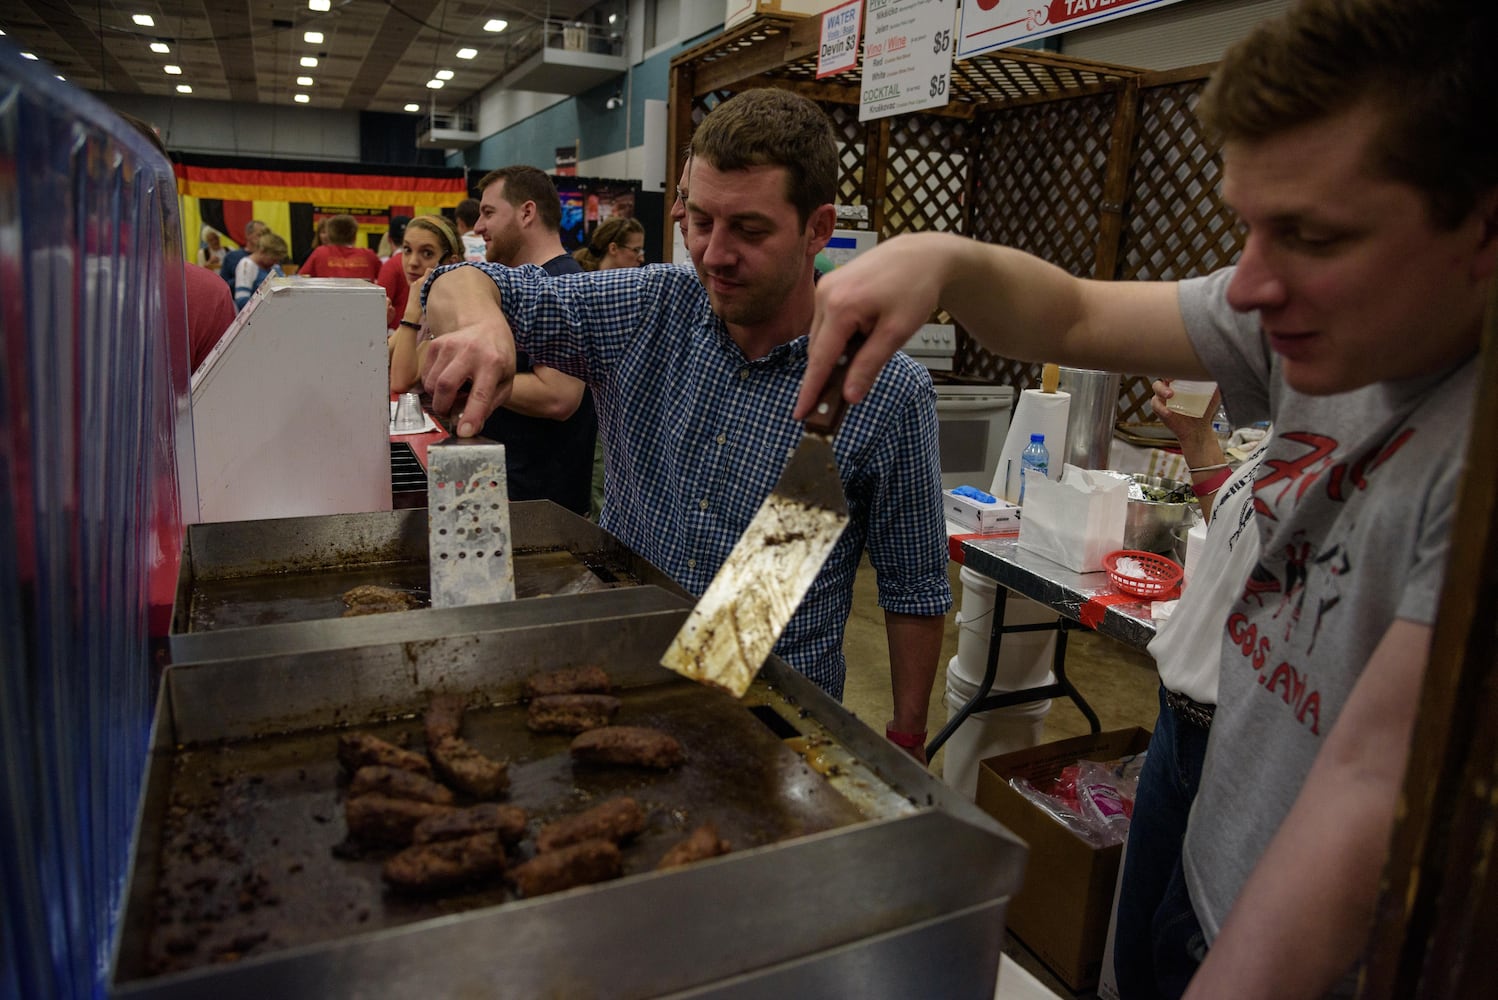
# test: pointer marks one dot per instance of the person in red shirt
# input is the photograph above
(210, 310)
(339, 258)
(393, 275)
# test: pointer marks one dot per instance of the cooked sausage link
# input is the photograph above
(462, 766)
(446, 864)
(579, 864)
(637, 746)
(698, 845)
(570, 713)
(356, 750)
(487, 817)
(444, 716)
(616, 819)
(379, 819)
(569, 680)
(398, 784)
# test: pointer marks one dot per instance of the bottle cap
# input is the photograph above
(1037, 439)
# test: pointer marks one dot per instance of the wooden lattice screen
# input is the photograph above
(1100, 169)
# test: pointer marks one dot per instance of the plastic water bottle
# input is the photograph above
(1036, 461)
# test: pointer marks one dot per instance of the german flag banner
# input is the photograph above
(293, 196)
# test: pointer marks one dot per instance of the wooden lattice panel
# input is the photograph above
(852, 152)
(925, 173)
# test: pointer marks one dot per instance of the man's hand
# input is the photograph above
(469, 365)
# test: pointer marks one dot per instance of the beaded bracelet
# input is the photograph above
(1213, 484)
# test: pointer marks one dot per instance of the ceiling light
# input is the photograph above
(413, 107)
(2, 32)
(61, 77)
(613, 18)
(319, 4)
(183, 88)
(144, 20)
(301, 98)
(467, 53)
(160, 48)
(304, 81)
(434, 84)
(28, 55)
(444, 74)
(496, 24)
(309, 61)
(315, 37)
(173, 70)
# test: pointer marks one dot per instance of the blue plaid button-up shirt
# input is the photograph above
(696, 435)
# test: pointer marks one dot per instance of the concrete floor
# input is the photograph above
(1118, 682)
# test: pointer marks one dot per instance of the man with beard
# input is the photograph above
(695, 370)
(548, 425)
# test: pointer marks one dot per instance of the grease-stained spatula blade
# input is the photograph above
(470, 557)
(737, 621)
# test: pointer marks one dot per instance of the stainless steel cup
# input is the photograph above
(408, 416)
(1089, 427)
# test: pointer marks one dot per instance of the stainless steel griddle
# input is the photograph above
(852, 867)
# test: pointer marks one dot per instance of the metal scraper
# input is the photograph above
(737, 621)
(468, 506)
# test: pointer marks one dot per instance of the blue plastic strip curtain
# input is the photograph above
(93, 444)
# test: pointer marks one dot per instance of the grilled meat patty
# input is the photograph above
(701, 843)
(616, 819)
(380, 819)
(578, 864)
(356, 750)
(636, 746)
(570, 713)
(398, 784)
(370, 599)
(569, 680)
(446, 864)
(462, 766)
(487, 817)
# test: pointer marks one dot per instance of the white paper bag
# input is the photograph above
(1077, 521)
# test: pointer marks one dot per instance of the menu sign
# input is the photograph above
(839, 48)
(907, 57)
(992, 24)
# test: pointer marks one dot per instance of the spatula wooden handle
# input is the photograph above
(827, 416)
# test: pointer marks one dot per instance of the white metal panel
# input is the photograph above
(291, 410)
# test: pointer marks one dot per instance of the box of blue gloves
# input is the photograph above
(974, 510)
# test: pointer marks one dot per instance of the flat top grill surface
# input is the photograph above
(250, 860)
(271, 599)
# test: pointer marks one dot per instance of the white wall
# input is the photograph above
(230, 128)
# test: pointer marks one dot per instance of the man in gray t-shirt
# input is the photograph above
(1356, 153)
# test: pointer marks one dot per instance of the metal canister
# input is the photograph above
(1089, 426)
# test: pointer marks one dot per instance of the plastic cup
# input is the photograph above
(408, 415)
(1190, 399)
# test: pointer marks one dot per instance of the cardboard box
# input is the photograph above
(994, 518)
(1062, 911)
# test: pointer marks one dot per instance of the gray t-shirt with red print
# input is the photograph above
(1355, 500)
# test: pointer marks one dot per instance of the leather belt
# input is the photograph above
(1193, 712)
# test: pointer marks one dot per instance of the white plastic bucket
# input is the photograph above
(986, 734)
(1024, 657)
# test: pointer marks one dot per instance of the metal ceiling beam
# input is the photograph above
(83, 38)
(389, 47)
(230, 23)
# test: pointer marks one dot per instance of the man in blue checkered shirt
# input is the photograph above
(695, 373)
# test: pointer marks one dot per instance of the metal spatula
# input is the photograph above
(468, 506)
(737, 621)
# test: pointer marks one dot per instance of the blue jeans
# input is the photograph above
(1158, 942)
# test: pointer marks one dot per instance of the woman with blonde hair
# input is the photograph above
(210, 249)
(428, 242)
(619, 242)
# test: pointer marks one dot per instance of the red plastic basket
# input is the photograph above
(1160, 575)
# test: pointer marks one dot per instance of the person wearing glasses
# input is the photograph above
(619, 242)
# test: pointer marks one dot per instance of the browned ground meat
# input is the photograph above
(701, 843)
(638, 746)
(590, 861)
(464, 768)
(398, 784)
(444, 716)
(356, 750)
(570, 680)
(487, 817)
(379, 819)
(446, 864)
(616, 820)
(370, 599)
(570, 713)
